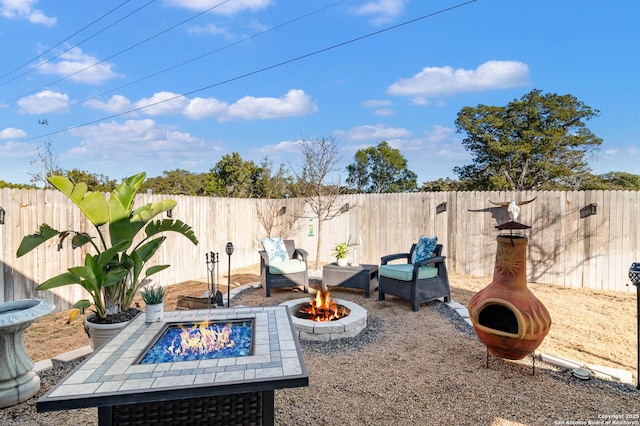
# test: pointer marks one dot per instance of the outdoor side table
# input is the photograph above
(361, 276)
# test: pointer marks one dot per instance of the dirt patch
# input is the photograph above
(589, 326)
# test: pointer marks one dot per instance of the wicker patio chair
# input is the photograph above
(290, 272)
(417, 282)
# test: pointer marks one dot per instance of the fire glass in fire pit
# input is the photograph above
(206, 340)
(224, 391)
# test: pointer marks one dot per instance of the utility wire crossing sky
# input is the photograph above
(121, 87)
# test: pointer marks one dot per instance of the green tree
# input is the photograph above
(234, 177)
(381, 169)
(273, 184)
(440, 184)
(612, 181)
(95, 182)
(537, 142)
(177, 182)
(4, 184)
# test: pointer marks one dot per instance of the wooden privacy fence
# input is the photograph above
(577, 238)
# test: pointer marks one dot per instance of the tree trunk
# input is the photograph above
(319, 243)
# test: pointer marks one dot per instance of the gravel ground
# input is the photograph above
(408, 368)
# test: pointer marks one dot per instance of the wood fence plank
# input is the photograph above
(565, 249)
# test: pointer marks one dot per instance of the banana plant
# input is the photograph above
(115, 272)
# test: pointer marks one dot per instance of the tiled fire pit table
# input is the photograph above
(238, 390)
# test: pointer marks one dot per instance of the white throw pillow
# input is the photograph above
(275, 248)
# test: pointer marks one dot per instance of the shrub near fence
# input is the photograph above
(569, 244)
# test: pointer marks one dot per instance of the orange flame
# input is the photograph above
(201, 339)
(322, 308)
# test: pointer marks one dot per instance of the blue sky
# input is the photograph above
(257, 76)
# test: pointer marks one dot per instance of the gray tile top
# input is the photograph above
(112, 376)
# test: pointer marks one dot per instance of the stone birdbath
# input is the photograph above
(18, 381)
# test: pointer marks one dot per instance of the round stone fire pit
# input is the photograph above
(323, 331)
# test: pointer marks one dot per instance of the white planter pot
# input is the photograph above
(102, 333)
(342, 262)
(154, 313)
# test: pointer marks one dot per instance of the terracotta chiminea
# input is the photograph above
(506, 316)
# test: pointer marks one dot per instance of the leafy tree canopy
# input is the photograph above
(234, 177)
(177, 182)
(537, 142)
(274, 184)
(381, 169)
(95, 182)
(440, 184)
(612, 181)
(4, 184)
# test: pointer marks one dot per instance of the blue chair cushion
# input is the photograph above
(275, 249)
(290, 266)
(404, 271)
(424, 249)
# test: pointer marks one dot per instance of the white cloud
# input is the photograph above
(375, 133)
(439, 81)
(420, 101)
(200, 108)
(294, 103)
(442, 141)
(382, 11)
(44, 102)
(116, 104)
(439, 134)
(80, 67)
(376, 103)
(384, 112)
(136, 145)
(23, 9)
(622, 158)
(623, 152)
(12, 133)
(18, 150)
(281, 150)
(434, 153)
(210, 29)
(228, 8)
(162, 103)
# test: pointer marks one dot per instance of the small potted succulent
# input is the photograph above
(153, 297)
(340, 251)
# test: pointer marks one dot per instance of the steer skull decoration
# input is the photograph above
(513, 207)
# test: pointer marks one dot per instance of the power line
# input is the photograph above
(260, 70)
(211, 52)
(122, 51)
(61, 42)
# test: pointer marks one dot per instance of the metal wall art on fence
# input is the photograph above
(566, 247)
